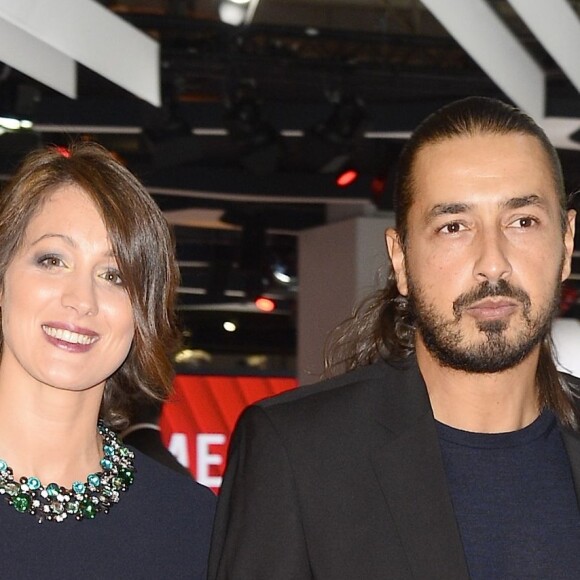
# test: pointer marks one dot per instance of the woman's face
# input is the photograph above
(67, 319)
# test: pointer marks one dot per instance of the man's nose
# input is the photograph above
(492, 260)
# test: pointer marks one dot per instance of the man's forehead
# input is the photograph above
(456, 166)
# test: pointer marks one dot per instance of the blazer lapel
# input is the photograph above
(411, 474)
(572, 443)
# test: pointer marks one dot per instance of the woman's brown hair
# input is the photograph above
(142, 245)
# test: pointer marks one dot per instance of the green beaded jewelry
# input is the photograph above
(85, 499)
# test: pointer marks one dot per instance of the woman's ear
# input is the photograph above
(397, 255)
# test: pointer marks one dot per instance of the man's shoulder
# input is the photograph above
(380, 374)
(386, 392)
(356, 406)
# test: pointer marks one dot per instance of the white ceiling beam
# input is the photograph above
(485, 37)
(557, 27)
(559, 129)
(37, 60)
(251, 11)
(88, 33)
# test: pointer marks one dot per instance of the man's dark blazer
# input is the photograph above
(341, 480)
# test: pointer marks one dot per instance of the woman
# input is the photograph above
(87, 282)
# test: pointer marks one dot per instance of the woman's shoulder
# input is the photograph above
(164, 485)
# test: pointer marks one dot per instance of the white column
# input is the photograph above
(338, 264)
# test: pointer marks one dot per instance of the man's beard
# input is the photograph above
(495, 352)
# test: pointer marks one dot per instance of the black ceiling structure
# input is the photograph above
(256, 122)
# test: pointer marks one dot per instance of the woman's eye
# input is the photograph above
(50, 262)
(113, 277)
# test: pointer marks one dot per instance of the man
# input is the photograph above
(449, 451)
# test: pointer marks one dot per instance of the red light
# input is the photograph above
(346, 177)
(265, 304)
(63, 151)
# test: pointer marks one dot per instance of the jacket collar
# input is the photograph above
(410, 471)
(572, 443)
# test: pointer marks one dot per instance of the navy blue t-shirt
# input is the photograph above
(514, 501)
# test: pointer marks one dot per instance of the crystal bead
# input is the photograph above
(52, 490)
(127, 475)
(88, 510)
(34, 483)
(12, 488)
(106, 463)
(78, 487)
(21, 502)
(72, 507)
(94, 480)
(57, 508)
(3, 465)
(108, 450)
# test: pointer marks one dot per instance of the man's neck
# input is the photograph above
(482, 403)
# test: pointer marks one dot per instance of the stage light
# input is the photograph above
(346, 177)
(265, 304)
(237, 12)
(230, 326)
(248, 127)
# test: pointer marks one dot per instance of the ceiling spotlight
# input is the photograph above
(237, 12)
(230, 326)
(265, 304)
(347, 177)
(345, 122)
(282, 277)
(230, 13)
(250, 130)
(188, 355)
(283, 272)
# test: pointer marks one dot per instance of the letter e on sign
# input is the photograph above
(205, 459)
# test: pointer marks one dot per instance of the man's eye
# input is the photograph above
(451, 228)
(526, 222)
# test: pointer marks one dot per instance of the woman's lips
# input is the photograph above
(69, 339)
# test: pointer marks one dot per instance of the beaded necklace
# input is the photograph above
(85, 500)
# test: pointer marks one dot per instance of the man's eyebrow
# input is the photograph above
(525, 200)
(454, 208)
(447, 209)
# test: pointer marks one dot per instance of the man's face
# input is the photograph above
(485, 253)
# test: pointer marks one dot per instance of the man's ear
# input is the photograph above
(395, 249)
(569, 243)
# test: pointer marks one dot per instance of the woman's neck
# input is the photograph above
(49, 433)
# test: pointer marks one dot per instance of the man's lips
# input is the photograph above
(491, 308)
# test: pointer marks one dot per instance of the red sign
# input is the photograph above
(197, 423)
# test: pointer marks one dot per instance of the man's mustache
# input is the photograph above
(488, 290)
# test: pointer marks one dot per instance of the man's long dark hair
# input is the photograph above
(383, 326)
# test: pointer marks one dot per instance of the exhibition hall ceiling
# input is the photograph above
(257, 120)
